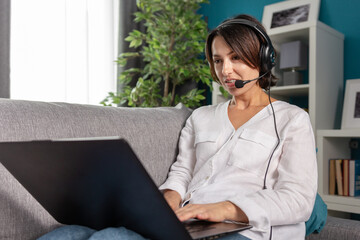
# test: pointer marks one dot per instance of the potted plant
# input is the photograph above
(172, 49)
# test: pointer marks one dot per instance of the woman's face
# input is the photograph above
(229, 67)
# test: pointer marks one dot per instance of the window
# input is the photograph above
(63, 50)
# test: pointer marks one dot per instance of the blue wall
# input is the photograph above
(342, 15)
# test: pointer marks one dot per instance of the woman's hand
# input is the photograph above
(214, 212)
(173, 198)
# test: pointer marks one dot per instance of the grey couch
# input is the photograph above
(152, 132)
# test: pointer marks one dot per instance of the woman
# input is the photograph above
(234, 162)
(250, 159)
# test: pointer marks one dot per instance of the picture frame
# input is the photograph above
(290, 12)
(351, 107)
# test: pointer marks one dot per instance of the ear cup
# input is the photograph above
(271, 58)
(264, 58)
(267, 58)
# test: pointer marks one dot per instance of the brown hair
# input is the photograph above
(245, 42)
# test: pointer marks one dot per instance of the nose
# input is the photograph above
(227, 67)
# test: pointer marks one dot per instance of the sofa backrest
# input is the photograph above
(152, 132)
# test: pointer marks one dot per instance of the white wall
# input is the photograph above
(63, 50)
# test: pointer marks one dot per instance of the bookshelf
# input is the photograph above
(335, 144)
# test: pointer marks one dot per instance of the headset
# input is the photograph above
(267, 61)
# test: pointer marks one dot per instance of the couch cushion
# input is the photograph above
(338, 228)
(152, 132)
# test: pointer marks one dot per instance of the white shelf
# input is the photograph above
(300, 32)
(335, 144)
(350, 133)
(342, 204)
(290, 91)
(325, 70)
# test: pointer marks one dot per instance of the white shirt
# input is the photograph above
(218, 163)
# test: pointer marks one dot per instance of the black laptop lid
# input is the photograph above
(94, 183)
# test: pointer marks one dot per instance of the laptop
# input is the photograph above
(100, 183)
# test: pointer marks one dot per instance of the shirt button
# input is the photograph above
(207, 178)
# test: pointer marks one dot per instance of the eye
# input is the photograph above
(217, 61)
(236, 57)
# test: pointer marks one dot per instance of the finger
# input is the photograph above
(203, 216)
(198, 211)
(209, 212)
(186, 215)
(188, 212)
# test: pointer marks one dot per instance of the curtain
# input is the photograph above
(126, 25)
(4, 48)
(63, 50)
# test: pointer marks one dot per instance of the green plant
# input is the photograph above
(172, 49)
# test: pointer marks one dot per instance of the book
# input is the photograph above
(345, 177)
(339, 178)
(332, 180)
(357, 178)
(354, 178)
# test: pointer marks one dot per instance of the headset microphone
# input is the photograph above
(240, 83)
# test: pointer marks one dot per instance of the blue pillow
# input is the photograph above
(318, 217)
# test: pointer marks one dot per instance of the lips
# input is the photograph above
(230, 82)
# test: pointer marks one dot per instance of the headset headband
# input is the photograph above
(251, 24)
(269, 52)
